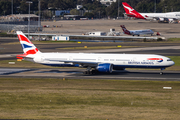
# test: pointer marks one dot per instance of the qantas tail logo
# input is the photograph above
(131, 12)
(27, 46)
(125, 30)
(128, 9)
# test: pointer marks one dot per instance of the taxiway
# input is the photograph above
(72, 73)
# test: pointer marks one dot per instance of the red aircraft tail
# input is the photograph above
(125, 30)
(130, 12)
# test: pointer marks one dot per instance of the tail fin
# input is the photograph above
(27, 46)
(131, 12)
(125, 30)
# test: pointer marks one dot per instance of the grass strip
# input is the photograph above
(72, 99)
(99, 47)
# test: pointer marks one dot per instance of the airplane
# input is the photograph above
(161, 17)
(94, 62)
(136, 32)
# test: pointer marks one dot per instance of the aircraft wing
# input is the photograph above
(82, 63)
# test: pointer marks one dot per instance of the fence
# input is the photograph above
(13, 26)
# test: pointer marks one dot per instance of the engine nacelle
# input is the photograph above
(161, 19)
(105, 67)
(171, 20)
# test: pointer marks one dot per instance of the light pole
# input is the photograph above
(155, 6)
(12, 7)
(39, 19)
(29, 2)
(118, 9)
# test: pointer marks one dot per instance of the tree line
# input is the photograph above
(94, 7)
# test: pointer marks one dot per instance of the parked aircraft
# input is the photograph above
(136, 32)
(93, 62)
(162, 17)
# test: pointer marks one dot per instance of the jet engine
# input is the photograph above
(165, 20)
(161, 19)
(105, 67)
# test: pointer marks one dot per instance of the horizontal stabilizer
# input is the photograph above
(21, 56)
(130, 15)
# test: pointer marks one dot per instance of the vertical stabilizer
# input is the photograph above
(125, 30)
(27, 46)
(130, 12)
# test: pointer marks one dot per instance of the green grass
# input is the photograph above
(176, 59)
(25, 64)
(73, 99)
(53, 41)
(3, 34)
(20, 64)
(99, 47)
(174, 39)
(40, 42)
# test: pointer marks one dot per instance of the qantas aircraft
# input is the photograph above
(93, 62)
(162, 17)
(136, 32)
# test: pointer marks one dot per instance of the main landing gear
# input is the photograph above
(90, 71)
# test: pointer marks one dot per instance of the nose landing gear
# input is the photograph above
(161, 72)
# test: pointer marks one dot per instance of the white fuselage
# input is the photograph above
(169, 15)
(117, 60)
(141, 32)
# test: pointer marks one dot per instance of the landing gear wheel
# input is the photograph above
(94, 71)
(89, 72)
(85, 72)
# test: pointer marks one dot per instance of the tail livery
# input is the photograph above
(28, 47)
(131, 12)
(125, 30)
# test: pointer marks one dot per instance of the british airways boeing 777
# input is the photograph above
(93, 62)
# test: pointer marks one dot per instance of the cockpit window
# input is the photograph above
(169, 60)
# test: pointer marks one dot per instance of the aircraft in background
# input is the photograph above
(136, 32)
(105, 63)
(161, 17)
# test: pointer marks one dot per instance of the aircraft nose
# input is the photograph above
(173, 63)
(170, 62)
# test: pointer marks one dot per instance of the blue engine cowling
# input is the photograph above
(105, 67)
